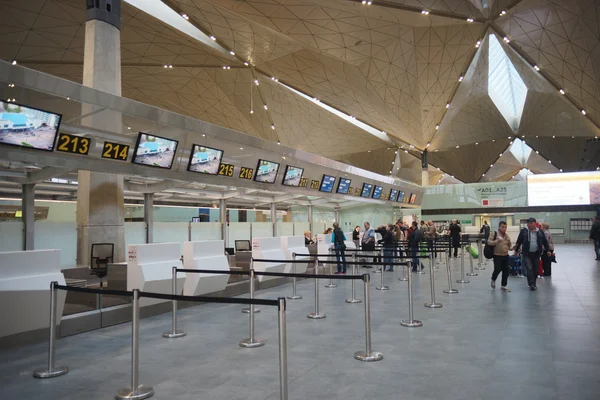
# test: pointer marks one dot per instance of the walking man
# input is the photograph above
(500, 241)
(595, 236)
(534, 243)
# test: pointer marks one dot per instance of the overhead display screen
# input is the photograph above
(28, 127)
(577, 188)
(154, 151)
(343, 186)
(293, 176)
(412, 199)
(266, 171)
(205, 160)
(377, 192)
(400, 197)
(366, 190)
(393, 194)
(327, 184)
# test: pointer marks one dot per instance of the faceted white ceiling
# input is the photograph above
(390, 65)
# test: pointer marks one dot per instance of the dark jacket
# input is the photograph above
(389, 239)
(455, 233)
(308, 241)
(414, 238)
(523, 239)
(595, 231)
(338, 237)
(355, 235)
(485, 229)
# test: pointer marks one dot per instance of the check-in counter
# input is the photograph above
(268, 248)
(291, 245)
(323, 244)
(150, 266)
(208, 254)
(25, 278)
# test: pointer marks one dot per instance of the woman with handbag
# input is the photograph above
(546, 259)
(338, 238)
(500, 241)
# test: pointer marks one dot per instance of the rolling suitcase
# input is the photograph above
(473, 251)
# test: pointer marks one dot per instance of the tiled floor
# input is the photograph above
(483, 344)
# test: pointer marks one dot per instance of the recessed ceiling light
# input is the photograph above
(460, 78)
(536, 67)
(246, 64)
(14, 62)
(265, 107)
(482, 174)
(553, 137)
(447, 105)
(232, 52)
(583, 112)
(437, 127)
(256, 82)
(273, 127)
(506, 39)
(491, 165)
(537, 152)
(369, 151)
(185, 16)
(478, 43)
(129, 128)
(561, 91)
(251, 111)
(241, 148)
(469, 19)
(406, 151)
(476, 143)
(425, 12)
(503, 12)
(560, 170)
(212, 37)
(549, 162)
(428, 144)
(457, 147)
(204, 135)
(170, 66)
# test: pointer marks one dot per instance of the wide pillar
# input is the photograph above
(100, 196)
(223, 219)
(28, 208)
(149, 216)
(337, 214)
(274, 219)
(425, 168)
(310, 219)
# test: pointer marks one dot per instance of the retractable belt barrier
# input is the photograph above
(137, 391)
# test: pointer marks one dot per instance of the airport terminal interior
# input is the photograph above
(300, 199)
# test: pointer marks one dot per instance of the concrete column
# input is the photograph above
(149, 216)
(310, 219)
(274, 219)
(223, 218)
(100, 198)
(425, 168)
(28, 208)
(337, 215)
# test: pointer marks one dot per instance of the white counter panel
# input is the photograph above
(209, 254)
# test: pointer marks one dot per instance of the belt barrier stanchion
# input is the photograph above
(472, 273)
(251, 342)
(283, 375)
(405, 268)
(368, 354)
(381, 286)
(331, 284)
(174, 333)
(251, 295)
(52, 371)
(432, 303)
(377, 271)
(410, 322)
(449, 290)
(353, 299)
(462, 265)
(316, 314)
(294, 296)
(137, 391)
(479, 266)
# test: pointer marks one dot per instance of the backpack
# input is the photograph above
(488, 251)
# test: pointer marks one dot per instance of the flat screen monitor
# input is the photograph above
(242, 245)
(377, 192)
(266, 171)
(28, 127)
(573, 188)
(205, 160)
(393, 194)
(413, 198)
(327, 183)
(154, 151)
(400, 197)
(292, 176)
(343, 186)
(367, 188)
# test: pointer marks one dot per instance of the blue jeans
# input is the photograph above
(597, 248)
(339, 253)
(388, 257)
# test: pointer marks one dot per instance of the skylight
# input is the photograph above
(505, 87)
(521, 151)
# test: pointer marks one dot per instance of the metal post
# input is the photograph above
(51, 371)
(419, 270)
(331, 284)
(411, 322)
(472, 273)
(377, 271)
(404, 278)
(251, 341)
(251, 291)
(174, 333)
(381, 285)
(368, 354)
(316, 314)
(353, 299)
(137, 391)
(449, 290)
(283, 376)
(294, 296)
(432, 303)
(479, 266)
(462, 265)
